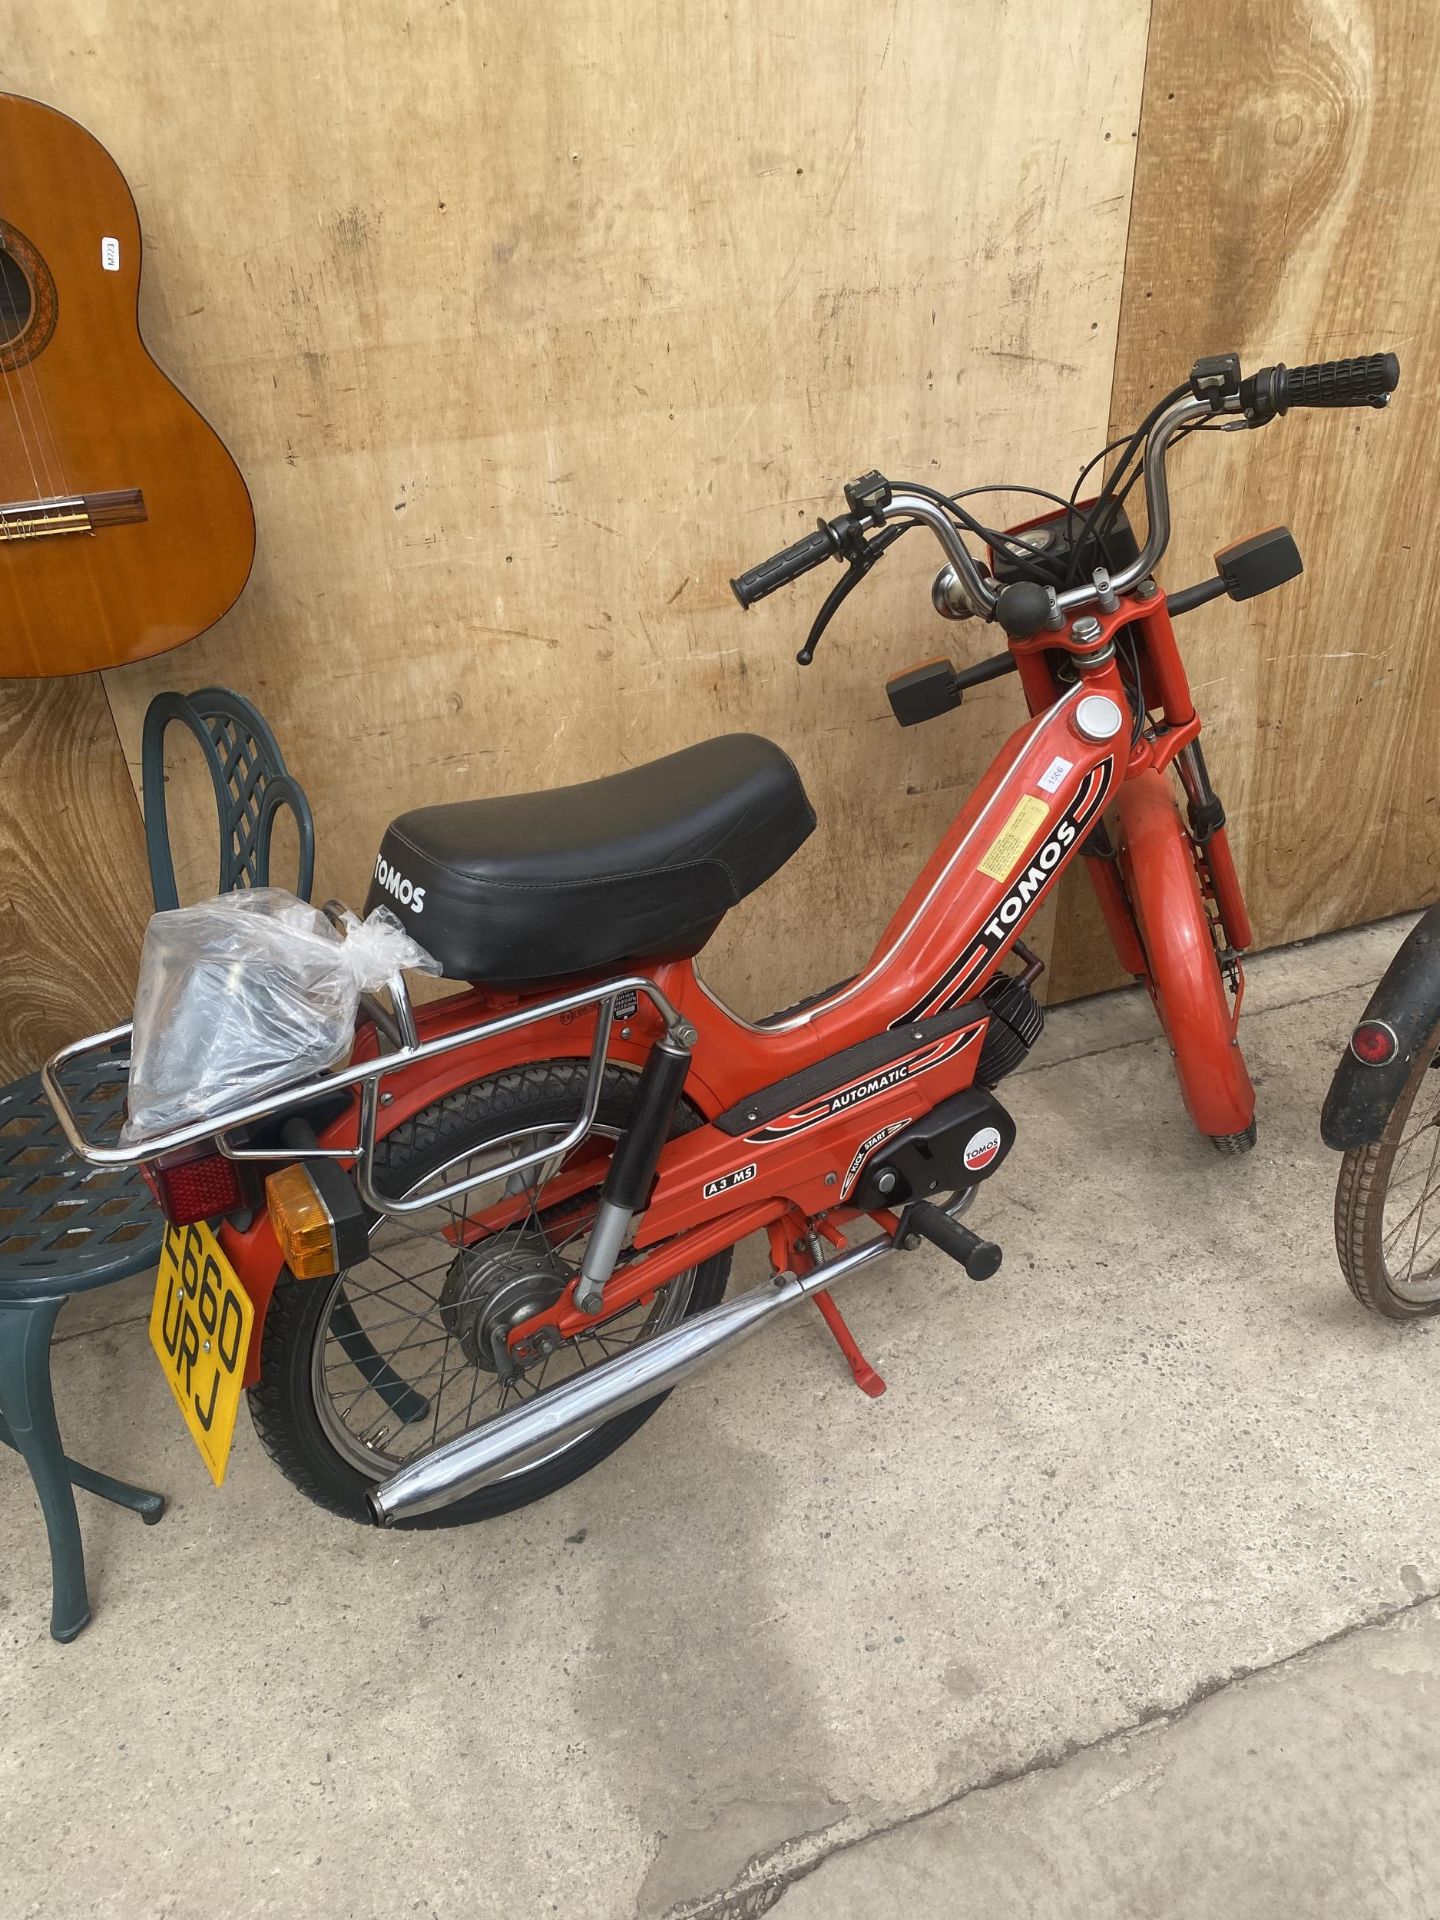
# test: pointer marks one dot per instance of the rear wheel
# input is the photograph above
(364, 1374)
(1387, 1203)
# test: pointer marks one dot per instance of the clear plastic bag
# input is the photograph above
(247, 993)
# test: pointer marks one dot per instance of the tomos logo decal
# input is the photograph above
(812, 1112)
(981, 1148)
(395, 884)
(1019, 898)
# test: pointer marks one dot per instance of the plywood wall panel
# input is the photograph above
(531, 326)
(1285, 203)
(74, 891)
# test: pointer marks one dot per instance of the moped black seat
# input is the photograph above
(642, 865)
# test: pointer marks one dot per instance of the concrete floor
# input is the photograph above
(1120, 1602)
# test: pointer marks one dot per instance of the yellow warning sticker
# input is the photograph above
(1006, 851)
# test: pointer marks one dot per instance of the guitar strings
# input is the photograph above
(48, 444)
(30, 385)
(11, 311)
(14, 328)
(49, 489)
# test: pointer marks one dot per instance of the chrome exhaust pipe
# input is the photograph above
(543, 1425)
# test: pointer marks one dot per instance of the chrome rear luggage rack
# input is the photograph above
(398, 1026)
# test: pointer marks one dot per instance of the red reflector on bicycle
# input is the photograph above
(1374, 1043)
(197, 1189)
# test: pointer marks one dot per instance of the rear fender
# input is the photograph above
(1408, 1001)
(254, 1251)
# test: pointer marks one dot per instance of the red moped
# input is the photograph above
(488, 1244)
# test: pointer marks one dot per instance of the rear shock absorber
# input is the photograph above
(632, 1165)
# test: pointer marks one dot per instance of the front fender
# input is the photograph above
(1408, 1000)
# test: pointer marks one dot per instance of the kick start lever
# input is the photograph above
(922, 1221)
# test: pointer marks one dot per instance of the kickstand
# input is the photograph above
(866, 1378)
(807, 1240)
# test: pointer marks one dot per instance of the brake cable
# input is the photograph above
(1106, 505)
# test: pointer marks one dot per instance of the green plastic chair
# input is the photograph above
(66, 1227)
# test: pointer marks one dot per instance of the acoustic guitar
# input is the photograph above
(125, 527)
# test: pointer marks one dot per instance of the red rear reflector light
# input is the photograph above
(197, 1189)
(1374, 1043)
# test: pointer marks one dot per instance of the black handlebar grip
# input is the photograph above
(1367, 381)
(781, 568)
(1342, 383)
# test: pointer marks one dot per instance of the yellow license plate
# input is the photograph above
(200, 1329)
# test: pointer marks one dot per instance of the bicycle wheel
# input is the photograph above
(1387, 1201)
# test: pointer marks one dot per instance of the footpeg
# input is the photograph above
(922, 1221)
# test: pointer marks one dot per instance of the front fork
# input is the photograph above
(1205, 814)
(1207, 830)
(1218, 878)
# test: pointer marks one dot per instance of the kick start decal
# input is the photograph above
(866, 1148)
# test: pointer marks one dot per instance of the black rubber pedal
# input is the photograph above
(1256, 565)
(980, 1258)
(924, 692)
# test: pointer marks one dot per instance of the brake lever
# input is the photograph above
(846, 585)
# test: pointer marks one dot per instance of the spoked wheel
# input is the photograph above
(1387, 1204)
(364, 1374)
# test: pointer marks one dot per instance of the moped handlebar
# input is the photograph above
(977, 590)
(1366, 380)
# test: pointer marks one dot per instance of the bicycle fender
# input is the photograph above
(1408, 1001)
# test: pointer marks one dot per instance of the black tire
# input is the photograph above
(1363, 1188)
(282, 1404)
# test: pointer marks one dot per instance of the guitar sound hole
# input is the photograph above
(28, 305)
(17, 300)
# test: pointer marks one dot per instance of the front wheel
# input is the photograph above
(366, 1373)
(1387, 1202)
